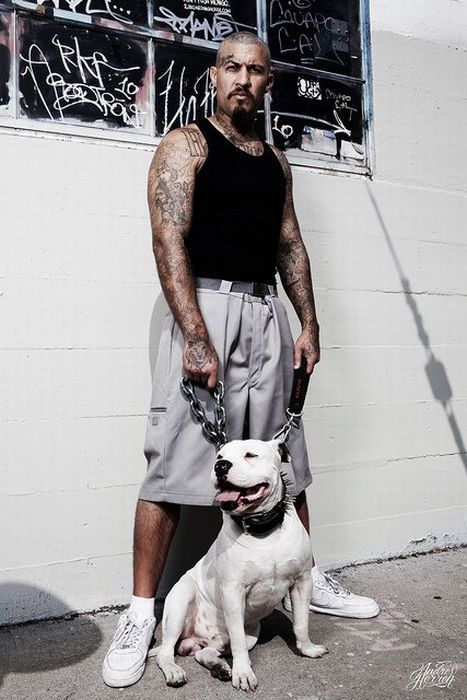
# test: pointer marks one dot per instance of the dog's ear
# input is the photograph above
(283, 450)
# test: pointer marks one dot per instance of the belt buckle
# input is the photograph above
(259, 289)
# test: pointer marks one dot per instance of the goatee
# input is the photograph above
(242, 120)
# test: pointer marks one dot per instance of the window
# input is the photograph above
(132, 70)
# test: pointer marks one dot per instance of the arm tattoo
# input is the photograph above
(171, 183)
(196, 143)
(293, 263)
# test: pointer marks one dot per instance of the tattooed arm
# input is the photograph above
(171, 185)
(294, 270)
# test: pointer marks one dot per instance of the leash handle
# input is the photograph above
(299, 388)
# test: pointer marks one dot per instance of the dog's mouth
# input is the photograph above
(232, 497)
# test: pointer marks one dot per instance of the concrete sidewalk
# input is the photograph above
(422, 622)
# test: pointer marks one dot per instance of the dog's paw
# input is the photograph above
(243, 678)
(221, 670)
(174, 675)
(313, 651)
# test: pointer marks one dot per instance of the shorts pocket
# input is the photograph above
(154, 445)
(155, 413)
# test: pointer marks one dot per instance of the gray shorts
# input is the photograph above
(254, 344)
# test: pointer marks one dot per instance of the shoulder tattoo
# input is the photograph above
(196, 143)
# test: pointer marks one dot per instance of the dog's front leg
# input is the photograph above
(300, 595)
(233, 603)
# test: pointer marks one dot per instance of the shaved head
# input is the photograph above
(226, 46)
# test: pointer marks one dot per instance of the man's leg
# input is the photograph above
(328, 595)
(154, 527)
(301, 506)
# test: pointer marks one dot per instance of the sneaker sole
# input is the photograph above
(372, 612)
(114, 682)
(360, 614)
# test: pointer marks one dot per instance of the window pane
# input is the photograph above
(321, 34)
(75, 74)
(183, 87)
(319, 116)
(210, 20)
(126, 11)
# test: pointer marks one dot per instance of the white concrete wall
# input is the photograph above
(386, 414)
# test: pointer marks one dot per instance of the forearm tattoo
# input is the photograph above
(171, 184)
(293, 263)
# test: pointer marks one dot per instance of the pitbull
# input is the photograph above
(262, 551)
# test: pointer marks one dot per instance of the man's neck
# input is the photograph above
(245, 135)
(248, 142)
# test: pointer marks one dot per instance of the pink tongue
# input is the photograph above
(260, 492)
(227, 495)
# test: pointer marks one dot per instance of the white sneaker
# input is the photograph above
(329, 596)
(125, 661)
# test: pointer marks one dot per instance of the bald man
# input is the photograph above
(223, 223)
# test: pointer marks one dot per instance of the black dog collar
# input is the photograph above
(264, 522)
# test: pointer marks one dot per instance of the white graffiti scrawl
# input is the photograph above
(75, 78)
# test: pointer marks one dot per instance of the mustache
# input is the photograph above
(240, 92)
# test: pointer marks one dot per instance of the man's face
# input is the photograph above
(241, 79)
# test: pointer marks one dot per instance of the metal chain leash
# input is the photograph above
(213, 432)
(287, 427)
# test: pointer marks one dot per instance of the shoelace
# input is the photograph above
(335, 585)
(130, 635)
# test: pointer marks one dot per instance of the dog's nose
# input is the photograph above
(221, 468)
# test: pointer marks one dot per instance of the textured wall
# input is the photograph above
(386, 411)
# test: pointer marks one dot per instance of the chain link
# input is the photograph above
(287, 427)
(213, 432)
(216, 432)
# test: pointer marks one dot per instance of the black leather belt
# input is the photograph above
(257, 289)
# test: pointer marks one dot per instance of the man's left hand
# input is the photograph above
(307, 345)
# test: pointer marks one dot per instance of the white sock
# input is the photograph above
(143, 607)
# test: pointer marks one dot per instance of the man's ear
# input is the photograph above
(283, 450)
(213, 75)
(270, 82)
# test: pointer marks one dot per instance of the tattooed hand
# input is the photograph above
(307, 345)
(200, 361)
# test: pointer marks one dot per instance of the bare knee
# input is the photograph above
(155, 523)
(158, 510)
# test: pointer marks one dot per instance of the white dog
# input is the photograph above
(261, 552)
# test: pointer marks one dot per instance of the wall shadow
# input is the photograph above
(67, 642)
(434, 369)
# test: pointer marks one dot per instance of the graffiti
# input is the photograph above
(285, 130)
(184, 95)
(122, 11)
(63, 75)
(213, 28)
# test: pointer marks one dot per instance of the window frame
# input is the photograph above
(15, 123)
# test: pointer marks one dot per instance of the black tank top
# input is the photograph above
(237, 211)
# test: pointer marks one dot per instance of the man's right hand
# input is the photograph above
(200, 361)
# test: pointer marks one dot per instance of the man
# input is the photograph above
(223, 219)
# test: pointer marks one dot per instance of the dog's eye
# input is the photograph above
(249, 455)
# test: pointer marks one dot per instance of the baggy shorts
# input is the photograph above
(252, 337)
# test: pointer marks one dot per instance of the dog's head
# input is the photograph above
(247, 476)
